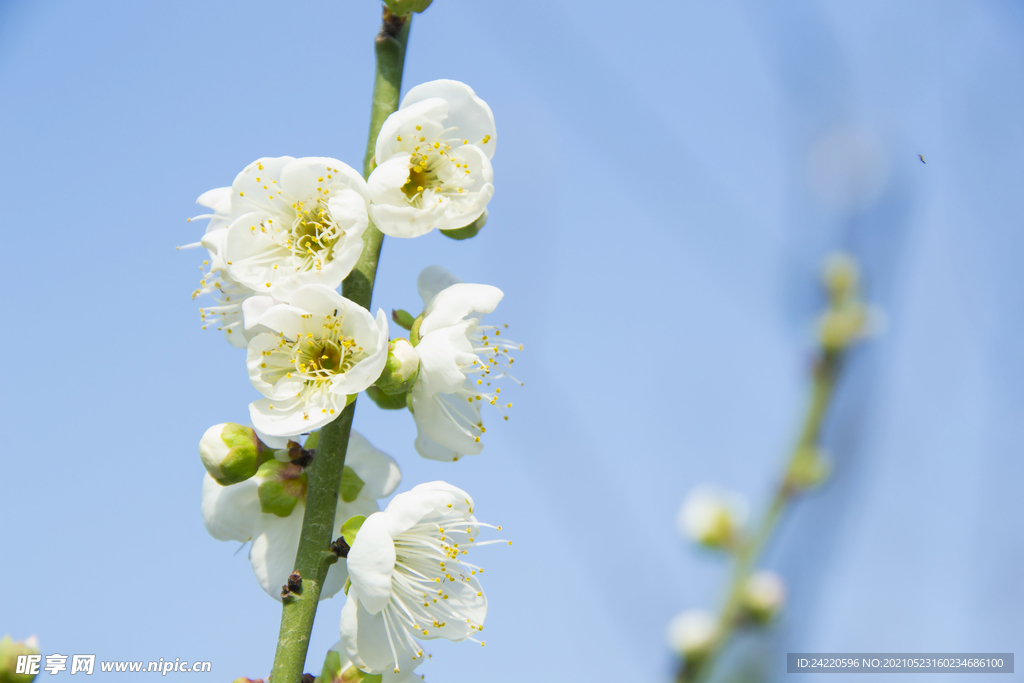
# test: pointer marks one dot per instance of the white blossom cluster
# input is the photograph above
(281, 239)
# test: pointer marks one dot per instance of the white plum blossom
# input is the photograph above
(764, 595)
(283, 223)
(234, 512)
(433, 161)
(692, 633)
(321, 349)
(410, 581)
(711, 516)
(460, 359)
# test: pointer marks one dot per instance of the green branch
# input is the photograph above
(312, 559)
(748, 553)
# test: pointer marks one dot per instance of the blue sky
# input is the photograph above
(668, 179)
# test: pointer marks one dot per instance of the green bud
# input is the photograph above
(350, 528)
(351, 484)
(467, 231)
(414, 331)
(232, 453)
(384, 401)
(404, 7)
(400, 370)
(764, 596)
(403, 319)
(282, 486)
(808, 469)
(9, 652)
(354, 675)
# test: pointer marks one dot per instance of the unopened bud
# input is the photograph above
(400, 370)
(282, 485)
(467, 231)
(841, 276)
(712, 517)
(692, 633)
(764, 596)
(10, 650)
(403, 7)
(842, 325)
(232, 453)
(808, 469)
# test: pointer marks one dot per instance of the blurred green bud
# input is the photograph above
(404, 7)
(354, 675)
(232, 453)
(763, 596)
(384, 401)
(10, 650)
(351, 484)
(693, 633)
(282, 486)
(842, 325)
(841, 276)
(403, 319)
(712, 517)
(400, 370)
(467, 231)
(808, 469)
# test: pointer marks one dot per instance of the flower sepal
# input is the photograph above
(281, 487)
(232, 453)
(384, 401)
(400, 369)
(467, 231)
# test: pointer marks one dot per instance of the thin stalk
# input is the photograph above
(749, 551)
(324, 475)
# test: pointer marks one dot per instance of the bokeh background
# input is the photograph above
(669, 177)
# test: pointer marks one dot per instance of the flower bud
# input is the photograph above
(842, 325)
(712, 517)
(808, 468)
(232, 453)
(467, 231)
(282, 485)
(9, 652)
(404, 7)
(400, 370)
(764, 596)
(692, 633)
(841, 276)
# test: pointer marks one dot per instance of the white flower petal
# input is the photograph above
(275, 543)
(247, 193)
(466, 111)
(290, 417)
(445, 422)
(432, 280)
(407, 221)
(377, 469)
(300, 178)
(443, 353)
(365, 372)
(366, 640)
(229, 511)
(427, 113)
(386, 181)
(371, 562)
(453, 304)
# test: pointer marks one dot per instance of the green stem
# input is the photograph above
(324, 474)
(747, 554)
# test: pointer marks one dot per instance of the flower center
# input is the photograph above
(422, 177)
(313, 235)
(314, 356)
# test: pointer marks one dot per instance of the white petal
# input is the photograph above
(431, 450)
(436, 420)
(432, 280)
(301, 177)
(291, 417)
(371, 562)
(247, 193)
(218, 199)
(456, 302)
(377, 469)
(386, 181)
(466, 111)
(254, 307)
(365, 638)
(429, 500)
(229, 512)
(469, 602)
(429, 114)
(275, 543)
(407, 221)
(443, 354)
